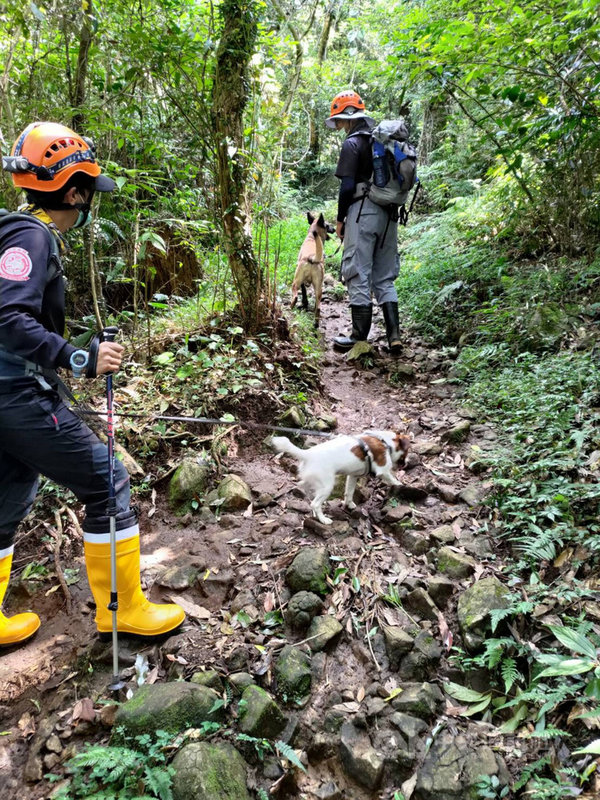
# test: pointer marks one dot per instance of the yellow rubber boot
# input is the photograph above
(136, 615)
(13, 630)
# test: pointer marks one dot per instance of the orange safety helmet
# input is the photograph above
(47, 154)
(347, 105)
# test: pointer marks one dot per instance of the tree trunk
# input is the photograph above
(230, 96)
(85, 40)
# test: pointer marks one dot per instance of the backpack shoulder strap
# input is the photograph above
(54, 266)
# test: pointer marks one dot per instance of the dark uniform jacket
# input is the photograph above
(32, 295)
(355, 165)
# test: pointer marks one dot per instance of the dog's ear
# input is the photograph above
(402, 445)
(310, 218)
(321, 221)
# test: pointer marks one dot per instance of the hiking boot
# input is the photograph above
(18, 628)
(136, 615)
(361, 325)
(392, 327)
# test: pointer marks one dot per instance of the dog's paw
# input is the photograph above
(350, 506)
(325, 520)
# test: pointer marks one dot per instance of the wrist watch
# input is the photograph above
(79, 361)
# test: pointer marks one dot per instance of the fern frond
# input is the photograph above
(159, 781)
(289, 753)
(510, 673)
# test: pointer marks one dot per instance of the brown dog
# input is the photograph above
(310, 268)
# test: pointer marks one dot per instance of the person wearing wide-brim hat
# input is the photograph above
(369, 231)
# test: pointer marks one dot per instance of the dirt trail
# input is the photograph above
(243, 558)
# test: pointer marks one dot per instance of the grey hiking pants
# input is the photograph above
(368, 269)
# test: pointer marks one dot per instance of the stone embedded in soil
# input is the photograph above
(260, 715)
(449, 494)
(444, 534)
(301, 609)
(240, 681)
(395, 513)
(233, 493)
(426, 448)
(473, 494)
(440, 589)
(210, 678)
(241, 600)
(309, 570)
(204, 771)
(322, 632)
(293, 417)
(322, 746)
(421, 700)
(263, 500)
(478, 546)
(293, 674)
(455, 565)
(329, 420)
(215, 588)
(397, 644)
(454, 765)
(188, 483)
(413, 542)
(410, 727)
(328, 791)
(171, 707)
(177, 577)
(359, 759)
(423, 660)
(421, 603)
(458, 433)
(412, 461)
(474, 606)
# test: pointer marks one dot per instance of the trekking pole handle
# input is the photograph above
(110, 334)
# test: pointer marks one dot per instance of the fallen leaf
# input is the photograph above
(248, 511)
(360, 695)
(445, 632)
(84, 710)
(269, 602)
(191, 609)
(26, 725)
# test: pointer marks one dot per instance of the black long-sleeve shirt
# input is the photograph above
(32, 296)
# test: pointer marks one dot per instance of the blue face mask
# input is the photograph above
(84, 218)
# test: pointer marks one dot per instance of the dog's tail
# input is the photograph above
(283, 445)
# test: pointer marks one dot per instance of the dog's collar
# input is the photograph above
(368, 453)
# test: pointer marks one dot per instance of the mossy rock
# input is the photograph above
(293, 674)
(189, 482)
(474, 606)
(233, 494)
(309, 570)
(206, 771)
(453, 564)
(171, 707)
(301, 609)
(260, 715)
(323, 631)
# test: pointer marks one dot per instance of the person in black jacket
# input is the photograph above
(369, 231)
(57, 169)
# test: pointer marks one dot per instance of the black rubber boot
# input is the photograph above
(361, 325)
(392, 327)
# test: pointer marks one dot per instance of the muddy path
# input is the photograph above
(216, 566)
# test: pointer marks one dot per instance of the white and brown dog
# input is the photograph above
(310, 269)
(370, 453)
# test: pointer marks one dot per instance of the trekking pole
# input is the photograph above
(109, 335)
